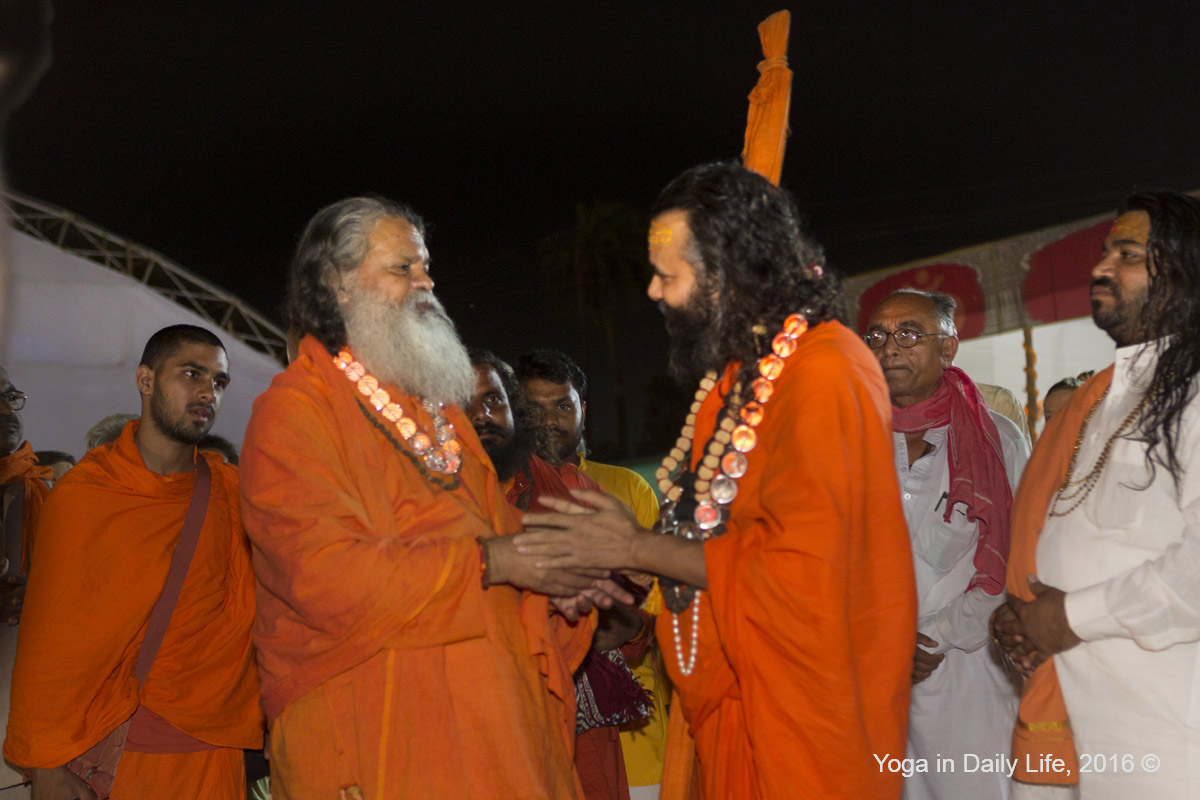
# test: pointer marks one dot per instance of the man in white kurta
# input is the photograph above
(1129, 562)
(1116, 600)
(963, 703)
(967, 705)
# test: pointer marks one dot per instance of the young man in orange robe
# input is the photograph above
(401, 653)
(98, 565)
(791, 593)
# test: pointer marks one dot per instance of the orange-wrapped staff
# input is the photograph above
(767, 122)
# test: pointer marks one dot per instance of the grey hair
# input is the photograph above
(334, 242)
(108, 429)
(944, 307)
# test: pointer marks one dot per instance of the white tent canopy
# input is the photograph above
(76, 331)
(1063, 349)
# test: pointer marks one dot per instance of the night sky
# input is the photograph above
(211, 136)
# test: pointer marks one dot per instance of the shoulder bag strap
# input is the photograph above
(156, 628)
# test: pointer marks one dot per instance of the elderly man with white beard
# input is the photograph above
(406, 648)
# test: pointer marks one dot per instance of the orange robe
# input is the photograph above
(386, 666)
(22, 466)
(99, 563)
(808, 625)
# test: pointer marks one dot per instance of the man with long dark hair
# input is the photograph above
(1104, 608)
(785, 567)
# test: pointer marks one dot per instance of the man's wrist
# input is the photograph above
(637, 552)
(491, 566)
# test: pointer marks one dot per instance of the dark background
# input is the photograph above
(212, 131)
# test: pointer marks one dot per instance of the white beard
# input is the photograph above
(412, 345)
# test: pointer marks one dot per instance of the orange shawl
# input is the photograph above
(357, 553)
(100, 561)
(21, 465)
(1042, 725)
(807, 627)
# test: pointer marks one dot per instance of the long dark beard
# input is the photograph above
(695, 346)
(509, 454)
(1123, 323)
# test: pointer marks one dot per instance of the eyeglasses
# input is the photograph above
(16, 400)
(904, 338)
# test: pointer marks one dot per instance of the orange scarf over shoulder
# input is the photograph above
(1042, 726)
(22, 465)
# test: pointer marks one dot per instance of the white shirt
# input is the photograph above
(966, 708)
(1129, 562)
(944, 552)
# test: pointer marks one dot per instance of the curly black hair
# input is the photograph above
(748, 249)
(335, 240)
(508, 378)
(554, 366)
(1169, 320)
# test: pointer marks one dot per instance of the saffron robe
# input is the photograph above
(20, 466)
(386, 666)
(808, 625)
(99, 562)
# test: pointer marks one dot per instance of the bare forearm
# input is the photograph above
(670, 557)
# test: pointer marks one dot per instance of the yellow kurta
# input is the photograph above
(643, 744)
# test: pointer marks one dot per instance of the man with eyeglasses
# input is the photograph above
(958, 464)
(21, 477)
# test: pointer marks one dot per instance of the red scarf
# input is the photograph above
(22, 465)
(977, 475)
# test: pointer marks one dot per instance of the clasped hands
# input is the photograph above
(570, 553)
(1031, 631)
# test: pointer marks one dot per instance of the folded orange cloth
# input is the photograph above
(1042, 724)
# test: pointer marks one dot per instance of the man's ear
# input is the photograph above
(339, 280)
(144, 378)
(949, 350)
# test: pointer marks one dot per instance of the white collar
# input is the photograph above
(1133, 367)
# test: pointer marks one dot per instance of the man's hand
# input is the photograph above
(12, 594)
(603, 593)
(1009, 633)
(575, 537)
(924, 662)
(1044, 620)
(59, 783)
(617, 626)
(506, 565)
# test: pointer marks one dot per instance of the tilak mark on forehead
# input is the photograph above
(660, 234)
(1131, 227)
